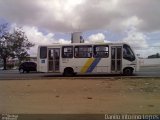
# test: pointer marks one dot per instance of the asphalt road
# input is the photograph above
(14, 74)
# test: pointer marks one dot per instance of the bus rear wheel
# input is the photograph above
(128, 71)
(68, 72)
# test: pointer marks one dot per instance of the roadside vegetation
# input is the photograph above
(13, 44)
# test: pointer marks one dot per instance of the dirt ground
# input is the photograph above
(81, 96)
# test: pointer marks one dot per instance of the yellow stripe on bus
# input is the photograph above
(87, 65)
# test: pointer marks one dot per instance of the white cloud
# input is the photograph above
(136, 38)
(72, 15)
(82, 15)
(131, 21)
(96, 38)
(38, 38)
(63, 41)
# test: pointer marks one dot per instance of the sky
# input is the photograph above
(136, 22)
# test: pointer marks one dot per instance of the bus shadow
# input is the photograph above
(87, 76)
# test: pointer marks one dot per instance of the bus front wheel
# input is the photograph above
(128, 71)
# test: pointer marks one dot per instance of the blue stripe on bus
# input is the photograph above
(93, 65)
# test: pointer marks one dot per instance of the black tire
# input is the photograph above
(21, 70)
(68, 72)
(128, 71)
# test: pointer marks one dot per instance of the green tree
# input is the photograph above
(21, 45)
(5, 44)
(13, 44)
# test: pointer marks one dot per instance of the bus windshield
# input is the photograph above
(128, 53)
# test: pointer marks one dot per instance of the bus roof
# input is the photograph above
(69, 44)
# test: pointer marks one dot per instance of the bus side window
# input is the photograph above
(43, 52)
(67, 52)
(84, 51)
(101, 51)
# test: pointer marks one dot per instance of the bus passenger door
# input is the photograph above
(54, 60)
(116, 59)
